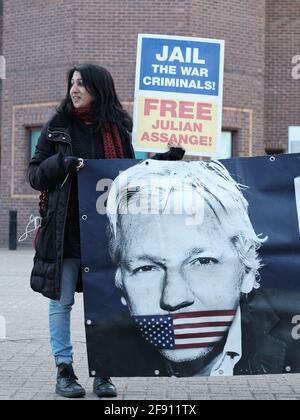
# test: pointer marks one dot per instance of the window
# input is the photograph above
(34, 134)
(225, 147)
(141, 155)
(294, 139)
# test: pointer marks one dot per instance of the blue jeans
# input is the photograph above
(60, 313)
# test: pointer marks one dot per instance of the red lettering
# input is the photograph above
(145, 137)
(168, 106)
(183, 138)
(203, 141)
(173, 138)
(186, 109)
(164, 138)
(150, 104)
(155, 137)
(179, 109)
(193, 140)
(204, 111)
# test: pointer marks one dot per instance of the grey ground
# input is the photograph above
(27, 371)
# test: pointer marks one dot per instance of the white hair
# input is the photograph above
(211, 180)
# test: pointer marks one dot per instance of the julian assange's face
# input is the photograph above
(79, 95)
(186, 272)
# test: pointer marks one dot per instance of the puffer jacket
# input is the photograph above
(46, 173)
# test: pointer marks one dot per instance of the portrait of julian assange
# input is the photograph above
(187, 266)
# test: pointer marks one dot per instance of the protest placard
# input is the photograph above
(178, 94)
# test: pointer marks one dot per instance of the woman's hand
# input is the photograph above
(173, 144)
(80, 164)
(72, 164)
(176, 151)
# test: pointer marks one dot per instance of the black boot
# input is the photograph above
(66, 384)
(103, 387)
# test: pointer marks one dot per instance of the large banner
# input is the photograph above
(178, 94)
(191, 268)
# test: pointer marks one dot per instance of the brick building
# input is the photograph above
(41, 39)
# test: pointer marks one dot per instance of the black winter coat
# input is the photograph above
(46, 173)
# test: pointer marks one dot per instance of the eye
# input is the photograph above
(144, 269)
(205, 261)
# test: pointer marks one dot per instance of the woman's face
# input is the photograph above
(79, 95)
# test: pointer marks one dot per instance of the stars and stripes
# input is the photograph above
(186, 330)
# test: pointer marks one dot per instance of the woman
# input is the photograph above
(90, 123)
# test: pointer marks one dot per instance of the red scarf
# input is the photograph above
(113, 148)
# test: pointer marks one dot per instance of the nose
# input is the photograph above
(73, 89)
(176, 293)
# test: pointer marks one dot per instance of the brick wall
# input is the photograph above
(242, 25)
(281, 90)
(108, 33)
(38, 47)
(1, 53)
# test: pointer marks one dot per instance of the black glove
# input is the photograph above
(70, 164)
(176, 153)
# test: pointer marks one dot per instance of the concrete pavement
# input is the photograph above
(27, 370)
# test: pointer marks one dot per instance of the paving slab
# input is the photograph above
(27, 371)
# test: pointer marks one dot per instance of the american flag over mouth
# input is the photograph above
(186, 330)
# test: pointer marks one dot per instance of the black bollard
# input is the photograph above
(13, 230)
